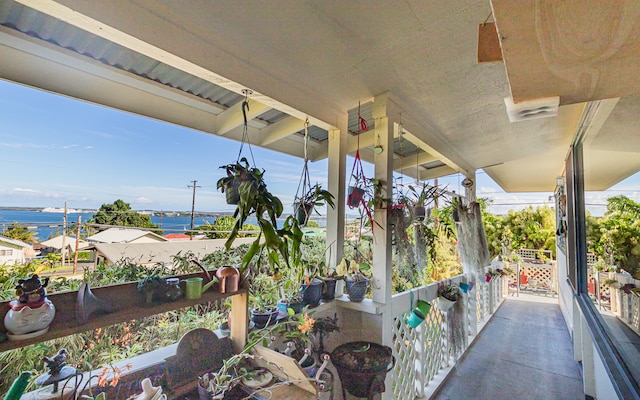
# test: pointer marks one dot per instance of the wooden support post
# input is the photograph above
(240, 318)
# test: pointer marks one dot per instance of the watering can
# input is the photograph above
(195, 288)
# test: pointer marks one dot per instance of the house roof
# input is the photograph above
(187, 63)
(151, 253)
(123, 235)
(13, 242)
(56, 242)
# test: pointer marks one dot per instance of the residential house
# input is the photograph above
(125, 235)
(13, 251)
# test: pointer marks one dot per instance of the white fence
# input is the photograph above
(434, 346)
(626, 306)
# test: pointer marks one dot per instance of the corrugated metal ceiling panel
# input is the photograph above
(42, 26)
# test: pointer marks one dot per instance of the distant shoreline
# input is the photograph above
(148, 212)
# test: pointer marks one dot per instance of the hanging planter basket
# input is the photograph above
(302, 212)
(420, 212)
(355, 196)
(232, 193)
(445, 304)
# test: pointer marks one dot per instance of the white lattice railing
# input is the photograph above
(626, 306)
(423, 352)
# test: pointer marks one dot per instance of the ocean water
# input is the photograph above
(45, 224)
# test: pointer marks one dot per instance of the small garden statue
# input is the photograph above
(31, 314)
(58, 370)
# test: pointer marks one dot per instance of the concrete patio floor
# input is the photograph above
(524, 352)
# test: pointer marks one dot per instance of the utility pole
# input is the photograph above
(75, 255)
(193, 206)
(64, 233)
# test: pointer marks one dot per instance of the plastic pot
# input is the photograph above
(312, 293)
(355, 196)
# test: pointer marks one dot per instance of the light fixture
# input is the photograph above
(532, 109)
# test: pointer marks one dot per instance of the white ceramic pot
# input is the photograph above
(445, 304)
(29, 320)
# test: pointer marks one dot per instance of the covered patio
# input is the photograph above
(520, 90)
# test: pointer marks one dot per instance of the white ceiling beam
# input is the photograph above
(437, 172)
(405, 163)
(110, 33)
(232, 117)
(428, 149)
(280, 130)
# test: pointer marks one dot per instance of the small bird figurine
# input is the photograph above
(57, 362)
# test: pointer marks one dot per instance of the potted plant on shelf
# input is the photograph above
(330, 279)
(362, 367)
(263, 300)
(356, 282)
(448, 295)
(150, 289)
(304, 205)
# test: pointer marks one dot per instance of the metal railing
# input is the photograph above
(432, 348)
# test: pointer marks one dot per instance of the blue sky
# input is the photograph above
(55, 149)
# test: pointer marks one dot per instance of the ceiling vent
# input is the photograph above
(532, 109)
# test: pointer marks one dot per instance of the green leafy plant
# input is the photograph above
(449, 291)
(308, 201)
(281, 245)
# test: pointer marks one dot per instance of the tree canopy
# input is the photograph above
(119, 213)
(20, 232)
(615, 236)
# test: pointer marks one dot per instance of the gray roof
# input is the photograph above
(161, 252)
(123, 235)
(13, 242)
(56, 242)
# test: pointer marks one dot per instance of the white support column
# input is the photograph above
(383, 163)
(470, 189)
(336, 185)
(383, 113)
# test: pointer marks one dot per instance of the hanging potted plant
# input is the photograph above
(448, 295)
(422, 195)
(314, 197)
(236, 174)
(308, 197)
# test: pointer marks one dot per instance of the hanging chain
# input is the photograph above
(245, 130)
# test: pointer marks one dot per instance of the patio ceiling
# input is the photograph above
(187, 63)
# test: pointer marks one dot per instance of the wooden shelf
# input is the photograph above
(125, 301)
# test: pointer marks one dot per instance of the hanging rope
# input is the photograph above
(357, 171)
(305, 181)
(245, 130)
